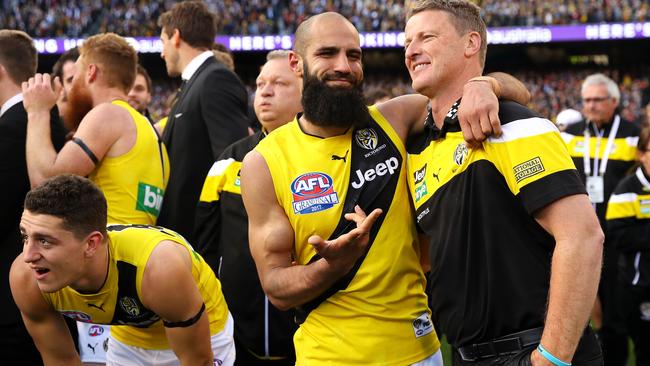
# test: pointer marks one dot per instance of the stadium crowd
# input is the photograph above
(81, 18)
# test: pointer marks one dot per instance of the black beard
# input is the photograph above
(328, 106)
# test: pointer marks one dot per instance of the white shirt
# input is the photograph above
(11, 102)
(194, 65)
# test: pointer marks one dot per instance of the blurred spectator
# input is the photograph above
(64, 69)
(140, 93)
(377, 95)
(567, 117)
(223, 55)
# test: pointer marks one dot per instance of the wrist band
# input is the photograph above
(547, 355)
(496, 88)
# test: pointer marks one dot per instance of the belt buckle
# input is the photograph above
(466, 357)
(506, 346)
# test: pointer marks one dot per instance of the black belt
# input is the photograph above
(509, 344)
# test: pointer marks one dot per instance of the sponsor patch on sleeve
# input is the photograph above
(422, 325)
(528, 169)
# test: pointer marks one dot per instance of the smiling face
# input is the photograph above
(277, 94)
(330, 64)
(55, 256)
(434, 51)
(333, 54)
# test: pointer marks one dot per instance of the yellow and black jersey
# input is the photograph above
(376, 314)
(221, 228)
(134, 183)
(119, 303)
(628, 223)
(619, 161)
(490, 259)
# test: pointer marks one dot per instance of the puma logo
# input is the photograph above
(436, 175)
(92, 347)
(100, 307)
(344, 157)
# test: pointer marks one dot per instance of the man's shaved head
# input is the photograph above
(304, 32)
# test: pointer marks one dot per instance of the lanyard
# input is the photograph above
(608, 149)
(641, 177)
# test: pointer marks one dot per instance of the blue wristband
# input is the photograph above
(547, 355)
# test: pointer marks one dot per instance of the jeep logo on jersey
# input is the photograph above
(418, 175)
(149, 199)
(460, 154)
(389, 166)
(130, 306)
(313, 192)
(366, 138)
(95, 331)
(79, 316)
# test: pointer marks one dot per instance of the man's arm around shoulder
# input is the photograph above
(45, 325)
(575, 273)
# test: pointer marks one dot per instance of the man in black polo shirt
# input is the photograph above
(515, 246)
(615, 139)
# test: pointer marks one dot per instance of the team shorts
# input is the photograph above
(120, 354)
(93, 342)
(433, 360)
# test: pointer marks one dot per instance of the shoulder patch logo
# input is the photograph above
(313, 192)
(528, 169)
(367, 138)
(130, 306)
(460, 154)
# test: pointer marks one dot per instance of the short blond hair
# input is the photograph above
(116, 57)
(465, 16)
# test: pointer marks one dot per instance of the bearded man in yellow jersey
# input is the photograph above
(146, 279)
(114, 145)
(361, 291)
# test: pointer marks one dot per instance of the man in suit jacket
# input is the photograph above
(210, 112)
(18, 60)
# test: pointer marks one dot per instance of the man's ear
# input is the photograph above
(473, 44)
(4, 74)
(295, 63)
(93, 243)
(176, 38)
(92, 73)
